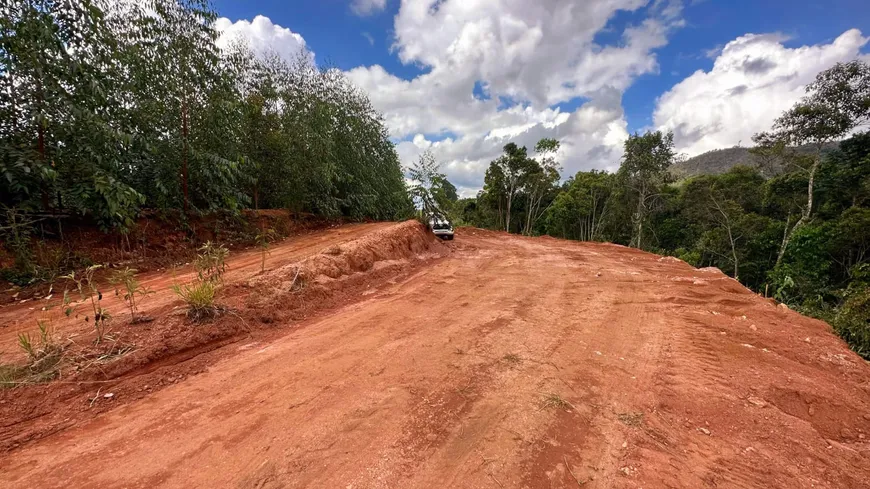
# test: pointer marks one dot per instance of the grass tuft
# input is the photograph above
(44, 357)
(200, 299)
(553, 400)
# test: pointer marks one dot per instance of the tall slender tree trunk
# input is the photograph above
(807, 212)
(184, 135)
(40, 140)
(507, 221)
(41, 148)
(639, 215)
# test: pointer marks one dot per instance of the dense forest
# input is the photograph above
(793, 225)
(110, 107)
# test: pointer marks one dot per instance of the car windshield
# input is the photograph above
(436, 223)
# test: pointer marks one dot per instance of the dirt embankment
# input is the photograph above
(306, 275)
(510, 363)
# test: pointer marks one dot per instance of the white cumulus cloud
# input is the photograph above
(528, 57)
(261, 35)
(753, 80)
(367, 7)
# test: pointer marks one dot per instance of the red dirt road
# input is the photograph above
(514, 362)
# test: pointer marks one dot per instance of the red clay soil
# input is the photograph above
(511, 363)
(22, 316)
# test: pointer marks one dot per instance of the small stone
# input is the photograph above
(625, 443)
(783, 306)
(757, 402)
(705, 431)
(807, 339)
(862, 436)
(753, 327)
(109, 395)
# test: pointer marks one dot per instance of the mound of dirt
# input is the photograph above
(171, 348)
(400, 242)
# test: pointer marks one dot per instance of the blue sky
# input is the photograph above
(587, 72)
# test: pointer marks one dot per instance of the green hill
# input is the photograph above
(721, 160)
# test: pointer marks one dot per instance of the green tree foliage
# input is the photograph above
(837, 102)
(518, 189)
(580, 209)
(645, 164)
(106, 107)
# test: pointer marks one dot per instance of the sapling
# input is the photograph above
(86, 286)
(132, 290)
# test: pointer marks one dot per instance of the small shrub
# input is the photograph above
(15, 231)
(264, 239)
(126, 278)
(852, 321)
(200, 299)
(210, 263)
(86, 286)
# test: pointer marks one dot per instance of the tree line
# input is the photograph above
(109, 107)
(795, 225)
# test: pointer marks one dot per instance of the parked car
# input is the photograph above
(441, 227)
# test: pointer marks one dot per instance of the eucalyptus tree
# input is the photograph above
(59, 75)
(540, 181)
(643, 172)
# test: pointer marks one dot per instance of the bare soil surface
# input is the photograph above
(22, 315)
(494, 361)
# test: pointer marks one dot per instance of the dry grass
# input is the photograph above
(44, 358)
(630, 419)
(555, 401)
(512, 359)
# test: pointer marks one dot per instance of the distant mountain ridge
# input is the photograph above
(721, 160)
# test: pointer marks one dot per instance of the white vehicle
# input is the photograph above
(441, 227)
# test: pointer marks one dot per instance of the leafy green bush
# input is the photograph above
(852, 321)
